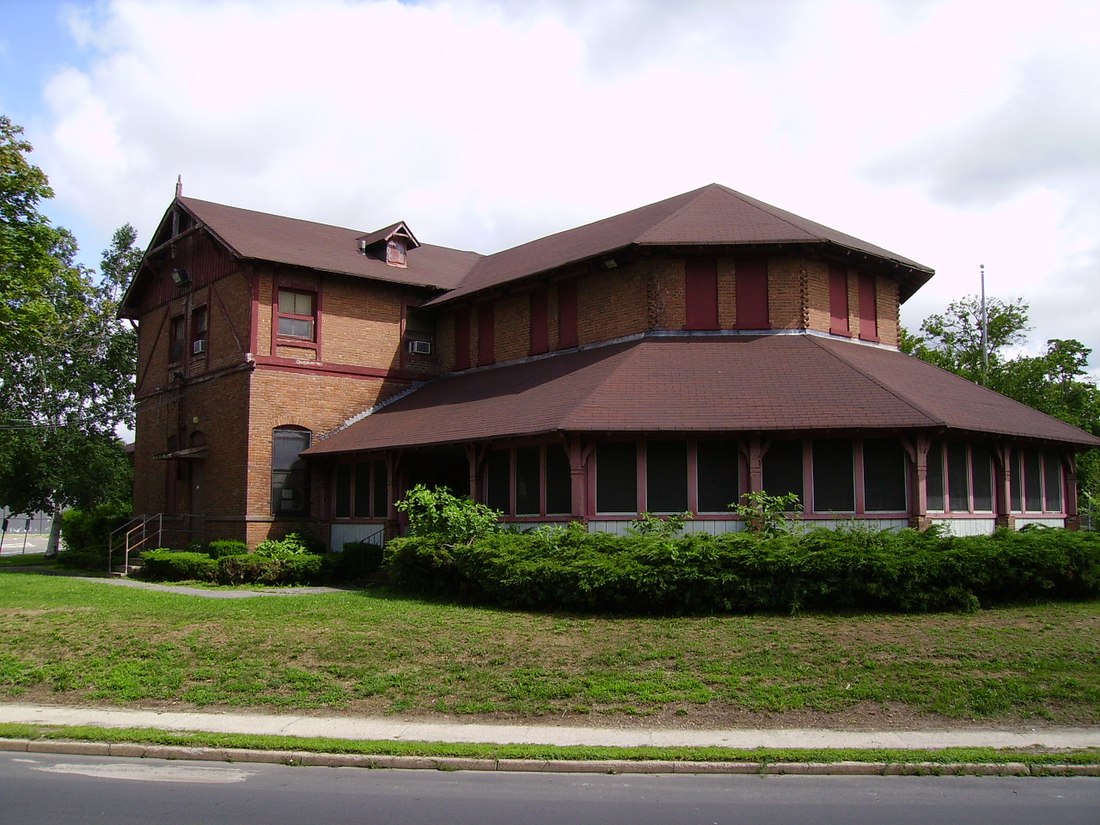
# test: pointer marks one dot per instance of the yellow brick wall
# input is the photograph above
(786, 302)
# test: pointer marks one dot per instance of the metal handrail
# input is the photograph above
(133, 526)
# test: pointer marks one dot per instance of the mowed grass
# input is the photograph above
(72, 640)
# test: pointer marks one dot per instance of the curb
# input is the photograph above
(610, 766)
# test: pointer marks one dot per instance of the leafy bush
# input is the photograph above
(358, 560)
(821, 570)
(89, 531)
(768, 515)
(252, 568)
(292, 544)
(172, 565)
(440, 514)
(226, 547)
(667, 527)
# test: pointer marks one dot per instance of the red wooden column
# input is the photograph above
(917, 448)
(578, 476)
(1073, 518)
(753, 449)
(1002, 479)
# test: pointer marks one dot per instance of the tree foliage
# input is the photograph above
(66, 361)
(1055, 382)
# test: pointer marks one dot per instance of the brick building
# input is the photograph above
(293, 375)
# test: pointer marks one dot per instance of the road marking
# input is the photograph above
(154, 773)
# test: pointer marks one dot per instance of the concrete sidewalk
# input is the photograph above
(394, 729)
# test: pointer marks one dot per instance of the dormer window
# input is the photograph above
(390, 245)
(395, 252)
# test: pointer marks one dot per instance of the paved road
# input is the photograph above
(39, 789)
(15, 544)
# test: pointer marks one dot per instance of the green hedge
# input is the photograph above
(822, 570)
(357, 561)
(246, 568)
(172, 565)
(220, 548)
(250, 568)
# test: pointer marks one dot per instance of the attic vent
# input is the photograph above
(396, 249)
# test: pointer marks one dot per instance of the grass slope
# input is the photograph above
(72, 640)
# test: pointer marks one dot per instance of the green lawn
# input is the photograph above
(78, 641)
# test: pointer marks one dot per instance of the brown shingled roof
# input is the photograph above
(713, 215)
(265, 237)
(771, 383)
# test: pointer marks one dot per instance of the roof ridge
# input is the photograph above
(890, 390)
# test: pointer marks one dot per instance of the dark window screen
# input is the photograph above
(380, 494)
(884, 475)
(559, 490)
(1014, 482)
(497, 486)
(783, 468)
(616, 477)
(362, 490)
(935, 476)
(527, 481)
(666, 476)
(1033, 482)
(717, 464)
(1052, 481)
(343, 490)
(958, 489)
(834, 479)
(981, 477)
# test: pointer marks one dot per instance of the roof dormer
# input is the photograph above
(390, 244)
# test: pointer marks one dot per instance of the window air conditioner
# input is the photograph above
(198, 347)
(420, 347)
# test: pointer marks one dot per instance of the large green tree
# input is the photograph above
(1056, 382)
(66, 360)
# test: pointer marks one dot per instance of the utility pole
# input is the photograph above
(985, 332)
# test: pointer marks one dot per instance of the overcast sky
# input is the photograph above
(953, 132)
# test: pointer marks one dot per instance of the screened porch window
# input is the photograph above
(717, 471)
(783, 469)
(884, 476)
(834, 477)
(666, 477)
(616, 477)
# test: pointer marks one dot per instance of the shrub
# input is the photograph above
(292, 544)
(768, 515)
(822, 570)
(358, 560)
(172, 565)
(443, 516)
(226, 547)
(251, 568)
(89, 531)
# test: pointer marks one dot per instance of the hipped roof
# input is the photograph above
(713, 215)
(260, 236)
(770, 384)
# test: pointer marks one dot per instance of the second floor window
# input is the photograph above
(199, 320)
(297, 314)
(177, 339)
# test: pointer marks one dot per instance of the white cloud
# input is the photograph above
(955, 132)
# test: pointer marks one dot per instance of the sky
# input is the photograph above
(958, 133)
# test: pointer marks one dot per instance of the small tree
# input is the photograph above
(439, 514)
(767, 515)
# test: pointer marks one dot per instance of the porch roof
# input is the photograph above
(699, 384)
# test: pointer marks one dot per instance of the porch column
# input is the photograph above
(917, 449)
(475, 456)
(393, 464)
(753, 449)
(1073, 517)
(1002, 487)
(578, 476)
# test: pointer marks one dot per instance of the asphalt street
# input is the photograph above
(45, 789)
